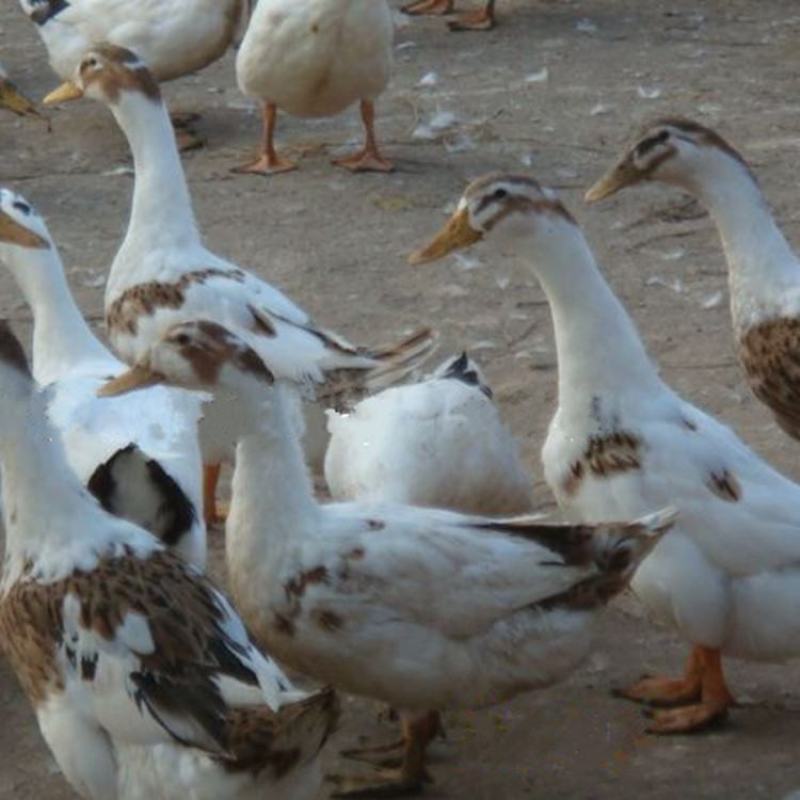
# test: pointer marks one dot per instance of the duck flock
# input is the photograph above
(426, 583)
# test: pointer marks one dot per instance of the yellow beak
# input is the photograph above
(138, 377)
(618, 177)
(13, 99)
(456, 235)
(14, 233)
(66, 92)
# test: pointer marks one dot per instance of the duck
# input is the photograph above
(12, 99)
(139, 456)
(142, 677)
(763, 270)
(163, 273)
(416, 607)
(174, 37)
(727, 578)
(482, 20)
(439, 442)
(316, 58)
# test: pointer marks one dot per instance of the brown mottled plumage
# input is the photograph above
(604, 455)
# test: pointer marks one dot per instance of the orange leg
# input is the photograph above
(418, 732)
(269, 162)
(210, 480)
(475, 20)
(669, 691)
(369, 158)
(715, 700)
(428, 7)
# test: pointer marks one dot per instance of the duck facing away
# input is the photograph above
(420, 608)
(138, 456)
(763, 270)
(142, 677)
(11, 97)
(621, 442)
(163, 273)
(482, 20)
(439, 442)
(316, 58)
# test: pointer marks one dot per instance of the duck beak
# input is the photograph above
(13, 99)
(618, 177)
(66, 92)
(14, 233)
(455, 235)
(138, 377)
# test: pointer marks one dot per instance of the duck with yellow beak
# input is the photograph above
(622, 441)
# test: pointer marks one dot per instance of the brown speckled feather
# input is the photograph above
(603, 456)
(770, 356)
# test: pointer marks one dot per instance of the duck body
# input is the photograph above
(439, 442)
(138, 455)
(127, 654)
(174, 37)
(315, 58)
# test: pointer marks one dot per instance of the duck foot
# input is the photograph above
(475, 20)
(214, 513)
(669, 691)
(266, 165)
(368, 159)
(381, 755)
(381, 783)
(437, 7)
(688, 719)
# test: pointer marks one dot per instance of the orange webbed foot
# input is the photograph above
(436, 7)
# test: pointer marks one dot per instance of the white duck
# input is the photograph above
(138, 455)
(763, 271)
(439, 442)
(143, 679)
(163, 273)
(728, 577)
(13, 99)
(174, 37)
(315, 58)
(420, 608)
(482, 20)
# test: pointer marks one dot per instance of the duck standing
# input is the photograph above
(727, 578)
(316, 58)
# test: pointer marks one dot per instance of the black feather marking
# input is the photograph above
(45, 11)
(461, 370)
(176, 508)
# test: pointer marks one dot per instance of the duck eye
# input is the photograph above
(499, 194)
(91, 61)
(183, 339)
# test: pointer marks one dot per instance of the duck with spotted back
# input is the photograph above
(140, 457)
(763, 270)
(421, 608)
(163, 274)
(143, 679)
(622, 442)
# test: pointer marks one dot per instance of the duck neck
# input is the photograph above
(161, 214)
(43, 500)
(273, 500)
(62, 340)
(761, 264)
(598, 347)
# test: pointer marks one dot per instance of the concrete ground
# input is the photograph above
(553, 90)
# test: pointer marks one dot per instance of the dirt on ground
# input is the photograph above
(552, 91)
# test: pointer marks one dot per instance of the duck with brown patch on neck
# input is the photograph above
(418, 607)
(139, 456)
(763, 270)
(163, 273)
(622, 442)
(143, 679)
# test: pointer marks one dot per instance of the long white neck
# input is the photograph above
(161, 216)
(62, 340)
(50, 519)
(598, 346)
(273, 502)
(761, 264)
